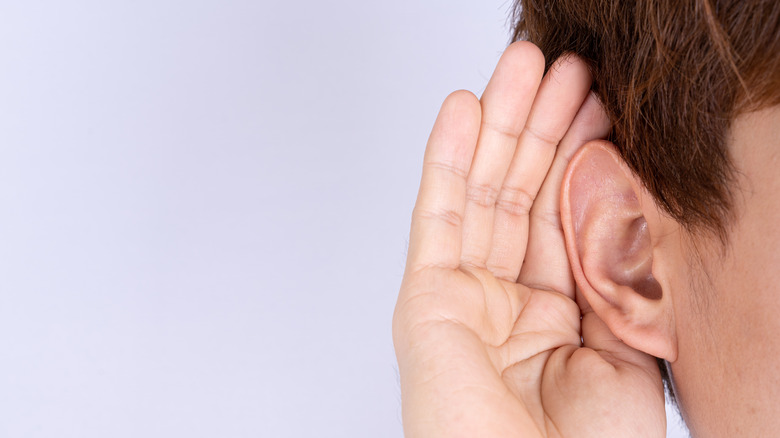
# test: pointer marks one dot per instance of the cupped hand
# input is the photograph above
(491, 337)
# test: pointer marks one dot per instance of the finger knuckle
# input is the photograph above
(502, 129)
(445, 215)
(515, 201)
(541, 137)
(549, 218)
(484, 195)
(447, 167)
(503, 271)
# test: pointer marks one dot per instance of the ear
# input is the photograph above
(615, 243)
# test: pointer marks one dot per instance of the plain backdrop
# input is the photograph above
(205, 208)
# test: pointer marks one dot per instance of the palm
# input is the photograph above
(487, 327)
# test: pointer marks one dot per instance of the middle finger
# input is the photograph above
(560, 96)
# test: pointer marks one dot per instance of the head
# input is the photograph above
(671, 224)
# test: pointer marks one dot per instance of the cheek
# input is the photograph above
(698, 373)
(727, 309)
(728, 325)
(747, 279)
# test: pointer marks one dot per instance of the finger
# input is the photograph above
(548, 267)
(505, 105)
(435, 236)
(559, 97)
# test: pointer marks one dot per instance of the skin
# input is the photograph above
(484, 349)
(727, 376)
(518, 314)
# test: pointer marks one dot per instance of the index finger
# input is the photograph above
(557, 102)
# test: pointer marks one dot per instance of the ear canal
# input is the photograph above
(632, 260)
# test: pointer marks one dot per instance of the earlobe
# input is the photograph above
(612, 249)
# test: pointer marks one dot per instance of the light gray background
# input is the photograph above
(205, 208)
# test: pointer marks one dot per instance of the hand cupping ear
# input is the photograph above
(487, 327)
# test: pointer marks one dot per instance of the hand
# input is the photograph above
(488, 328)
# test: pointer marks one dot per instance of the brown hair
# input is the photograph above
(672, 75)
